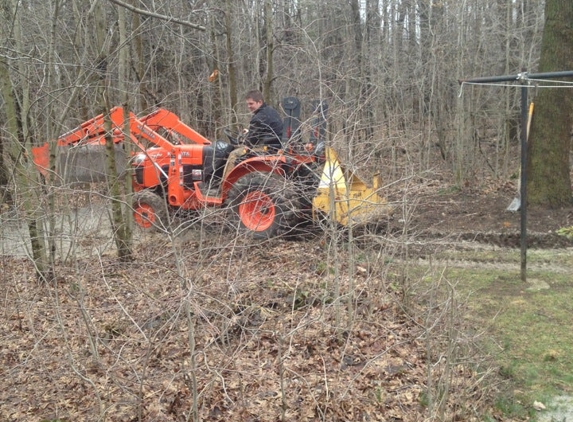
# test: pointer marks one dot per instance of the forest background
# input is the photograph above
(389, 69)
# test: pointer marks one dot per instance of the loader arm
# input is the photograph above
(164, 119)
(91, 135)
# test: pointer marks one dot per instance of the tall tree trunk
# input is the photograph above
(231, 67)
(549, 181)
(17, 106)
(139, 61)
(5, 194)
(216, 92)
(50, 124)
(120, 225)
(269, 45)
(122, 208)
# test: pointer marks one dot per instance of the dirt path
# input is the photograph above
(86, 228)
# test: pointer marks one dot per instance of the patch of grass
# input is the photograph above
(533, 326)
(510, 406)
(530, 324)
(537, 326)
(449, 190)
(322, 268)
(566, 231)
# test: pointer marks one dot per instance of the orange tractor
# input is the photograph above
(174, 169)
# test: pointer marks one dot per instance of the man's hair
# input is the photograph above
(255, 95)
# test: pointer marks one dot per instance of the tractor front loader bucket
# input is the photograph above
(79, 163)
(345, 198)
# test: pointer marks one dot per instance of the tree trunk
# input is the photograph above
(50, 124)
(269, 45)
(232, 69)
(216, 92)
(120, 224)
(549, 181)
(139, 60)
(121, 209)
(5, 194)
(17, 106)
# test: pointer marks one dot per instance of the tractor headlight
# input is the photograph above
(139, 159)
(320, 150)
(196, 174)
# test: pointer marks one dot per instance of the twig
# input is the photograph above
(157, 15)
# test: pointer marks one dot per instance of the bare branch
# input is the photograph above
(157, 15)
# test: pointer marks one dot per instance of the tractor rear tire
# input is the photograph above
(307, 180)
(263, 205)
(149, 211)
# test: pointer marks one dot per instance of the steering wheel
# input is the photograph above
(235, 137)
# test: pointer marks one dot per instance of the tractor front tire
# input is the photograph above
(149, 211)
(263, 205)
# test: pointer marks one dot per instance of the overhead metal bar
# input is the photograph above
(524, 76)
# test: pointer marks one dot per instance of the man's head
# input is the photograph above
(254, 100)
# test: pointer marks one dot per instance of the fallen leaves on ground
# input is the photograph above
(223, 332)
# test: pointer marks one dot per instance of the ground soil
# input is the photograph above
(483, 216)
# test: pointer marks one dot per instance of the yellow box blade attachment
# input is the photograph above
(343, 197)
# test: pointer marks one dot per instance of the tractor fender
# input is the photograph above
(277, 164)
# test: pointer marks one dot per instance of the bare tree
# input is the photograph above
(549, 181)
(16, 93)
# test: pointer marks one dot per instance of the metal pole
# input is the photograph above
(523, 190)
(551, 75)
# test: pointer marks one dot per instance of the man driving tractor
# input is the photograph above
(266, 126)
(264, 132)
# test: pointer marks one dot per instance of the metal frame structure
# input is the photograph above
(524, 79)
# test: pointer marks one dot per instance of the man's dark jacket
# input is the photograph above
(265, 128)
